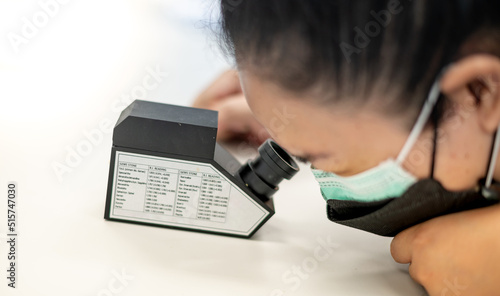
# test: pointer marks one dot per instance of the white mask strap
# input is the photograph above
(493, 160)
(421, 121)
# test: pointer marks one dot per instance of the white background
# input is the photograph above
(62, 87)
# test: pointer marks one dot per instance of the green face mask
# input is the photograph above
(386, 180)
(389, 179)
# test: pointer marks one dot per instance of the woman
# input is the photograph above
(343, 84)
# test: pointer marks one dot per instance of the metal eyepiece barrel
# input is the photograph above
(263, 174)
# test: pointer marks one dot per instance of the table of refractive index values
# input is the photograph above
(171, 192)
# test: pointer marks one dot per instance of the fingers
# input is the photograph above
(236, 121)
(224, 86)
(401, 245)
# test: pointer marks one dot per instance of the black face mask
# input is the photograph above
(423, 201)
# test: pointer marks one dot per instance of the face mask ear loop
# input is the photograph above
(493, 159)
(424, 116)
(421, 121)
(486, 190)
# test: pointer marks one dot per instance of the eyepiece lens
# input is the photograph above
(284, 160)
(263, 174)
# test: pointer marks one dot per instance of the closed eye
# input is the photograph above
(302, 159)
(310, 158)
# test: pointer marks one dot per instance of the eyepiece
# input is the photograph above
(263, 174)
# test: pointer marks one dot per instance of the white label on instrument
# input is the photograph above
(180, 193)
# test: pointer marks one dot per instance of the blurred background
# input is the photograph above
(70, 67)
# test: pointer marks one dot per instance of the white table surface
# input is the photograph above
(72, 77)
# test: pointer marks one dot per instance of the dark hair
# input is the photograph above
(352, 49)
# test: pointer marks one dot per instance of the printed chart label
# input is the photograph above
(180, 193)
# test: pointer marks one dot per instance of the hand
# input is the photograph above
(454, 255)
(236, 121)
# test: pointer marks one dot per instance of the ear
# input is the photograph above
(479, 76)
